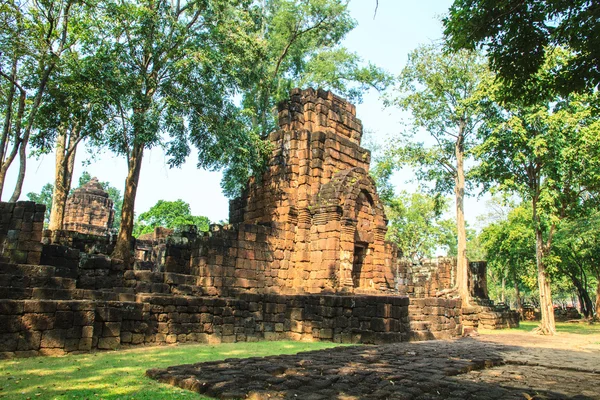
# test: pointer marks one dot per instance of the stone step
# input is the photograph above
(144, 276)
(26, 269)
(74, 294)
(36, 281)
(180, 279)
(170, 278)
(188, 290)
(14, 293)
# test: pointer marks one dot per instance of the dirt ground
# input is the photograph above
(507, 365)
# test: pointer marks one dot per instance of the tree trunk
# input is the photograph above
(462, 265)
(22, 168)
(597, 308)
(585, 302)
(63, 176)
(9, 158)
(504, 289)
(122, 248)
(518, 299)
(547, 325)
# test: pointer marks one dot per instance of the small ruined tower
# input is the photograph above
(318, 197)
(89, 210)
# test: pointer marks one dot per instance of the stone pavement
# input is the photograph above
(521, 366)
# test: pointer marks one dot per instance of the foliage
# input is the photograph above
(544, 152)
(122, 374)
(300, 47)
(35, 38)
(169, 214)
(518, 35)
(416, 225)
(43, 197)
(577, 248)
(174, 69)
(113, 193)
(443, 92)
(510, 248)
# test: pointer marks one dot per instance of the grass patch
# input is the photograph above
(121, 374)
(581, 328)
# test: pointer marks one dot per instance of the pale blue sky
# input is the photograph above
(386, 39)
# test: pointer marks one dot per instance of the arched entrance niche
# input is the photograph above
(351, 199)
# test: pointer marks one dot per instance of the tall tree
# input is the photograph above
(443, 94)
(517, 36)
(75, 107)
(169, 214)
(175, 68)
(540, 152)
(35, 36)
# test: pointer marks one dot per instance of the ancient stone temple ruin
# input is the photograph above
(89, 210)
(328, 225)
(303, 258)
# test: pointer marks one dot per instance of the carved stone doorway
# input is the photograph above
(360, 252)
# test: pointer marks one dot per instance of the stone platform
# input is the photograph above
(486, 367)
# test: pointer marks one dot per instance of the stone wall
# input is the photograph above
(21, 231)
(34, 327)
(427, 278)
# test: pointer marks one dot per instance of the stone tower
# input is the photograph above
(89, 210)
(318, 197)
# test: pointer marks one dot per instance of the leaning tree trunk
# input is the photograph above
(547, 325)
(63, 176)
(8, 158)
(462, 267)
(122, 248)
(27, 132)
(22, 168)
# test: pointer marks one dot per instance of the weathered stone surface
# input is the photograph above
(89, 210)
(458, 369)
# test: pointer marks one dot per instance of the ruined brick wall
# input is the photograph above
(432, 276)
(426, 278)
(21, 227)
(52, 327)
(89, 210)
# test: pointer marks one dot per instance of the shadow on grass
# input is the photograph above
(121, 374)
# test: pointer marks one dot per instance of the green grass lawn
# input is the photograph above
(581, 328)
(121, 374)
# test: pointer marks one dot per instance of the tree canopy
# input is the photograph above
(517, 36)
(169, 214)
(416, 224)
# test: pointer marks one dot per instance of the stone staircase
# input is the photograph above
(46, 282)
